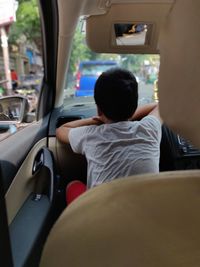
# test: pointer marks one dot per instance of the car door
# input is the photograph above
(27, 165)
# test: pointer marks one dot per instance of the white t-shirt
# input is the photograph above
(118, 149)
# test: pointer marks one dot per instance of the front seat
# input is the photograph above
(146, 220)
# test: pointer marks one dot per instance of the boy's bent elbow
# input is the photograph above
(155, 112)
(62, 134)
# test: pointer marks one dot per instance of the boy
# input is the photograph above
(113, 145)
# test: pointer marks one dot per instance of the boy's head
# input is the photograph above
(116, 94)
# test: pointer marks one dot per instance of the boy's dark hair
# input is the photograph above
(116, 94)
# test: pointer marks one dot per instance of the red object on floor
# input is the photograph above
(74, 190)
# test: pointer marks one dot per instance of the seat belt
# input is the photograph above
(5, 247)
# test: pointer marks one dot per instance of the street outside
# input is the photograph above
(145, 95)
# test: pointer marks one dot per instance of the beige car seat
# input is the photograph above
(146, 220)
(143, 221)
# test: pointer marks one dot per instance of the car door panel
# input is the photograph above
(15, 149)
(29, 183)
(26, 228)
(28, 176)
(30, 219)
(23, 183)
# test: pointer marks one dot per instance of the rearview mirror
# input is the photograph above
(13, 108)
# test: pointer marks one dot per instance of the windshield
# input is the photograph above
(95, 68)
(86, 66)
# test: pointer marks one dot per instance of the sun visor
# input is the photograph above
(127, 28)
(179, 78)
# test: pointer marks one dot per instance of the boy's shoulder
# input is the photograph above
(152, 118)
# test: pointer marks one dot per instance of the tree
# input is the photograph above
(27, 23)
(138, 63)
(133, 62)
(80, 51)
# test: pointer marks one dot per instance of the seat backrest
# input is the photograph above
(179, 74)
(150, 220)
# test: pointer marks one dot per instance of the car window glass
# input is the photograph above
(86, 66)
(21, 66)
(95, 69)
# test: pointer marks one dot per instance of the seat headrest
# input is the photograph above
(179, 78)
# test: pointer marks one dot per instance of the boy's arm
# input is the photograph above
(145, 110)
(155, 112)
(62, 133)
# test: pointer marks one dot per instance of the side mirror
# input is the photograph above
(14, 108)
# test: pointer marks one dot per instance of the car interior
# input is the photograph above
(143, 220)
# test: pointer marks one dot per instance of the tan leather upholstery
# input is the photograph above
(179, 77)
(150, 220)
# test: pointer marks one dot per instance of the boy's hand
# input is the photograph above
(98, 119)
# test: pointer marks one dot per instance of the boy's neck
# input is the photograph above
(104, 119)
(108, 121)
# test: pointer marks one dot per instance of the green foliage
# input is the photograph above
(136, 62)
(27, 23)
(80, 52)
(132, 62)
